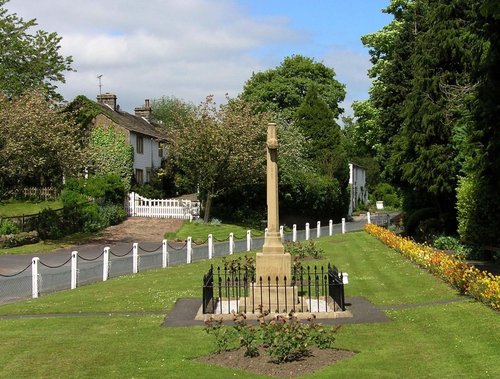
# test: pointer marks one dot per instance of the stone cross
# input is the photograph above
(272, 179)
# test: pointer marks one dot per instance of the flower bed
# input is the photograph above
(481, 285)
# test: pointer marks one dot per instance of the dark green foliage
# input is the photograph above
(29, 59)
(49, 224)
(302, 250)
(283, 88)
(414, 220)
(105, 189)
(172, 112)
(386, 193)
(223, 335)
(285, 339)
(8, 227)
(433, 109)
(311, 194)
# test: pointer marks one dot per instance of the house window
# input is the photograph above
(139, 176)
(139, 145)
(160, 150)
(148, 174)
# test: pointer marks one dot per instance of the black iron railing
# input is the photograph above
(310, 289)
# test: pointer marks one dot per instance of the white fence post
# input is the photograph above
(231, 243)
(135, 257)
(343, 225)
(164, 254)
(189, 249)
(318, 229)
(265, 232)
(307, 231)
(210, 246)
(249, 240)
(74, 268)
(282, 234)
(369, 218)
(105, 264)
(330, 227)
(34, 277)
(294, 233)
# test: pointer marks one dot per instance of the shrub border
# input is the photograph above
(469, 280)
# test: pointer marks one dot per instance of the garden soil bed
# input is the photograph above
(262, 364)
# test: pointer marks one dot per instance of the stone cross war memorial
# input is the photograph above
(274, 285)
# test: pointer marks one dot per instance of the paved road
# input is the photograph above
(11, 264)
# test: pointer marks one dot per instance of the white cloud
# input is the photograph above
(188, 48)
(185, 48)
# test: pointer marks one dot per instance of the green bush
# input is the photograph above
(304, 249)
(417, 217)
(8, 227)
(19, 239)
(112, 214)
(49, 224)
(105, 189)
(309, 193)
(386, 193)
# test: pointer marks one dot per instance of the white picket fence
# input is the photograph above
(162, 208)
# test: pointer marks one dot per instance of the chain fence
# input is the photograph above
(41, 277)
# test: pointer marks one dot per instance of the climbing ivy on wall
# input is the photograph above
(111, 154)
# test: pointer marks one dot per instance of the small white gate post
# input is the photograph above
(74, 268)
(282, 234)
(135, 256)
(164, 254)
(343, 225)
(330, 227)
(210, 246)
(265, 232)
(105, 264)
(249, 240)
(231, 243)
(294, 233)
(132, 203)
(318, 229)
(34, 277)
(189, 250)
(368, 217)
(307, 231)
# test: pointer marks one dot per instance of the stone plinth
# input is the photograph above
(271, 299)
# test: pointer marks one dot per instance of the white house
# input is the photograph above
(357, 185)
(146, 138)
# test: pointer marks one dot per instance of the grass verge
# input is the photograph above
(19, 208)
(454, 340)
(199, 232)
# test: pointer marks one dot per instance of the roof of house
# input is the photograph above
(134, 123)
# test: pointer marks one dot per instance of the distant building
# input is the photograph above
(357, 185)
(145, 137)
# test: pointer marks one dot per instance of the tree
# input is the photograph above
(38, 144)
(29, 60)
(284, 88)
(171, 112)
(220, 148)
(477, 192)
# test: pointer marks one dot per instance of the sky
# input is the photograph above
(194, 48)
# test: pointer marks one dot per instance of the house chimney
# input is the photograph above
(144, 111)
(108, 99)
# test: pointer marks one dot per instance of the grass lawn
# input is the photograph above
(454, 340)
(19, 208)
(50, 245)
(200, 232)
